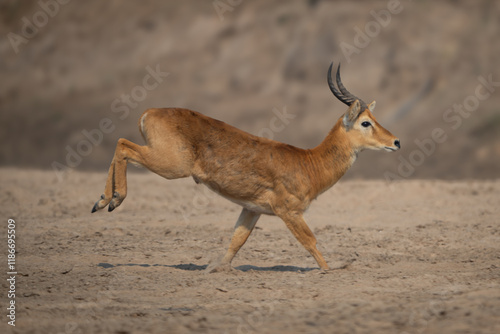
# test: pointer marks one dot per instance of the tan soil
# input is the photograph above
(424, 258)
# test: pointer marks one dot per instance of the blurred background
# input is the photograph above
(66, 66)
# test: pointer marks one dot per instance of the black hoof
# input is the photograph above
(111, 207)
(94, 208)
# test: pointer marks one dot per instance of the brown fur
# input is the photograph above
(261, 175)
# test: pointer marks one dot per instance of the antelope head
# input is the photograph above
(362, 129)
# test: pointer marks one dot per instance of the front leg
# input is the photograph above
(297, 225)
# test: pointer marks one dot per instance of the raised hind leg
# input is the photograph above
(116, 183)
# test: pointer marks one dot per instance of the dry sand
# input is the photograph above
(424, 258)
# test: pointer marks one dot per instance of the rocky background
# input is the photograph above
(67, 66)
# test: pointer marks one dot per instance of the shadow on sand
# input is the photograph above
(194, 267)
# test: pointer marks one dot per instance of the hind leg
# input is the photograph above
(244, 226)
(116, 183)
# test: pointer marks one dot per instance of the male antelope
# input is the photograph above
(261, 175)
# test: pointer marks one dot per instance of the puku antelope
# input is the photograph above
(262, 175)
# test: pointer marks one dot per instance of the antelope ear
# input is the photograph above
(371, 106)
(352, 114)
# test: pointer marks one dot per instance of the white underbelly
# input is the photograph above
(266, 210)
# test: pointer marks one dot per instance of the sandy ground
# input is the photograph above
(424, 258)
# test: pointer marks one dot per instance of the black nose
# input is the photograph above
(396, 142)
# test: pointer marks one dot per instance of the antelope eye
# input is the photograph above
(366, 124)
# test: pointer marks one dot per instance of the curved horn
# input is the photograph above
(334, 90)
(344, 91)
(344, 95)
